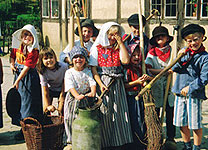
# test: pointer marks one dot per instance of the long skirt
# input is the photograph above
(71, 106)
(138, 126)
(31, 97)
(114, 115)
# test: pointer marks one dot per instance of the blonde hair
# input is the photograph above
(114, 29)
(196, 33)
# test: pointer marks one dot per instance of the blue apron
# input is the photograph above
(31, 97)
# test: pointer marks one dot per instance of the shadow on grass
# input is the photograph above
(7, 138)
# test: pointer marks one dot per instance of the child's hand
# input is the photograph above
(185, 90)
(51, 108)
(80, 97)
(146, 77)
(118, 39)
(13, 67)
(103, 88)
(16, 84)
(140, 80)
(170, 71)
(91, 94)
(182, 51)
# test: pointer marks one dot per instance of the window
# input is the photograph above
(50, 8)
(157, 4)
(54, 8)
(191, 8)
(196, 7)
(82, 5)
(169, 7)
(45, 8)
(204, 9)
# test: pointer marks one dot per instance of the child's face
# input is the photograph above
(194, 41)
(111, 37)
(87, 33)
(27, 37)
(79, 62)
(161, 40)
(135, 30)
(49, 61)
(135, 57)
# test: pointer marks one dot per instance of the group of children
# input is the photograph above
(121, 116)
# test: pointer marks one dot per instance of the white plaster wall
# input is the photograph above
(104, 9)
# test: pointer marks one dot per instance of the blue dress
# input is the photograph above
(29, 87)
(31, 98)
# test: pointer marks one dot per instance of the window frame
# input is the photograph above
(185, 9)
(51, 9)
(48, 9)
(165, 5)
(201, 9)
(162, 6)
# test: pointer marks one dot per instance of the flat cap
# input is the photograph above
(190, 29)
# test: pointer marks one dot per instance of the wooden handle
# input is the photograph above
(153, 13)
(149, 85)
(23, 124)
(105, 91)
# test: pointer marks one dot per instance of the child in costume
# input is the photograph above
(189, 87)
(157, 59)
(52, 79)
(133, 83)
(88, 30)
(106, 62)
(79, 83)
(134, 38)
(23, 59)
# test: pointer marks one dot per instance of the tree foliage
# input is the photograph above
(10, 9)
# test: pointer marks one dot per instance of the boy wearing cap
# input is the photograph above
(88, 30)
(192, 77)
(157, 59)
(134, 38)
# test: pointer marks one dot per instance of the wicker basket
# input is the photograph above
(48, 136)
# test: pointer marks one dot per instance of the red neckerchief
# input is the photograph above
(192, 53)
(132, 75)
(162, 53)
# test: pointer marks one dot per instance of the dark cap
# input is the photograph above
(133, 20)
(88, 23)
(13, 102)
(190, 29)
(160, 30)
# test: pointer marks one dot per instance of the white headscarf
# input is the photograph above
(102, 39)
(16, 38)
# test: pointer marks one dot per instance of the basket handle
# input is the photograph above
(33, 119)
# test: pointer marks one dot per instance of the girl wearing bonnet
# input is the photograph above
(23, 59)
(106, 61)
